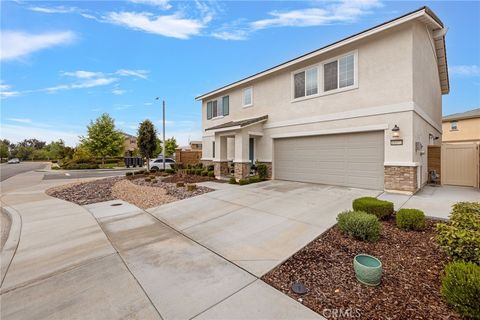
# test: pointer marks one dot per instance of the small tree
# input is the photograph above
(103, 139)
(4, 145)
(170, 146)
(147, 140)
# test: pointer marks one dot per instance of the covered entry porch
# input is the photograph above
(235, 147)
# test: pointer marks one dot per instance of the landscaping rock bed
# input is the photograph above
(410, 287)
(136, 191)
(171, 188)
(187, 178)
(86, 192)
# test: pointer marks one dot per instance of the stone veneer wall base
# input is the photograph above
(400, 179)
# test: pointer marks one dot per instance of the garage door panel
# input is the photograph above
(354, 160)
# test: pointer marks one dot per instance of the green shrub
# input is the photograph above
(148, 179)
(211, 174)
(204, 173)
(78, 166)
(254, 179)
(262, 171)
(232, 180)
(180, 184)
(380, 208)
(128, 174)
(243, 182)
(210, 167)
(169, 171)
(410, 219)
(461, 288)
(198, 172)
(460, 238)
(359, 225)
(191, 187)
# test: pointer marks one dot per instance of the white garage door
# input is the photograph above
(352, 160)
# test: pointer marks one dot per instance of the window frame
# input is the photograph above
(219, 102)
(320, 77)
(251, 97)
(452, 125)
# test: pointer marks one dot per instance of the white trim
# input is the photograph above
(377, 127)
(207, 159)
(261, 160)
(401, 164)
(217, 118)
(357, 113)
(243, 98)
(225, 129)
(292, 81)
(255, 133)
(412, 16)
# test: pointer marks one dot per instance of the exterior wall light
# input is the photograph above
(395, 131)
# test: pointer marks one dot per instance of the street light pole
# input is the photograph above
(163, 149)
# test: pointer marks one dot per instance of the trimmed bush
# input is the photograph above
(254, 179)
(359, 225)
(169, 171)
(461, 288)
(460, 238)
(79, 166)
(210, 167)
(198, 172)
(180, 184)
(204, 173)
(191, 187)
(380, 208)
(232, 180)
(243, 182)
(128, 174)
(148, 179)
(410, 219)
(211, 174)
(262, 171)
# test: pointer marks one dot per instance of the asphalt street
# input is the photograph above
(10, 170)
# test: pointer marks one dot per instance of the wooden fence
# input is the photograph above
(188, 156)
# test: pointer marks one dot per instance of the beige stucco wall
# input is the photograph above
(397, 85)
(468, 130)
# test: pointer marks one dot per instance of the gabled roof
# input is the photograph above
(424, 14)
(471, 114)
(239, 124)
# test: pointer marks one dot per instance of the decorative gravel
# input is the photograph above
(137, 191)
(172, 189)
(410, 287)
(142, 196)
(86, 192)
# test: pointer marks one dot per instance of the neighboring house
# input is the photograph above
(359, 112)
(462, 127)
(196, 145)
(130, 143)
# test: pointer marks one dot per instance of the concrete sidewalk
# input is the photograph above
(434, 201)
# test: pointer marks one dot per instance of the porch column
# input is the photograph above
(241, 162)
(220, 160)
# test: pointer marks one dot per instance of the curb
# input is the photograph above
(11, 245)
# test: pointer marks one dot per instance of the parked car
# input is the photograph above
(157, 164)
(14, 160)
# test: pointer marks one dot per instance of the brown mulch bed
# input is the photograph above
(187, 178)
(410, 288)
(86, 192)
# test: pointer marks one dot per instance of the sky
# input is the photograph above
(64, 63)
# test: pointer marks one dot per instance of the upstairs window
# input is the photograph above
(453, 125)
(305, 83)
(248, 97)
(218, 107)
(339, 73)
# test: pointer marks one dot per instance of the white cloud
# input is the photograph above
(163, 4)
(6, 92)
(344, 11)
(16, 133)
(231, 35)
(83, 74)
(88, 83)
(134, 73)
(16, 44)
(465, 70)
(21, 120)
(174, 25)
(147, 104)
(118, 92)
(60, 9)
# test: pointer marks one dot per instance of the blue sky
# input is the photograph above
(63, 63)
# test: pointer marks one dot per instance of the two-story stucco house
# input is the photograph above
(359, 112)
(462, 127)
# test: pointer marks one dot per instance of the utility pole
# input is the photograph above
(163, 149)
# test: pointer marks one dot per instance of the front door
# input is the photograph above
(251, 150)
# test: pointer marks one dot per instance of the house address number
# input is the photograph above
(396, 142)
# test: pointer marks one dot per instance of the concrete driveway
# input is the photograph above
(260, 225)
